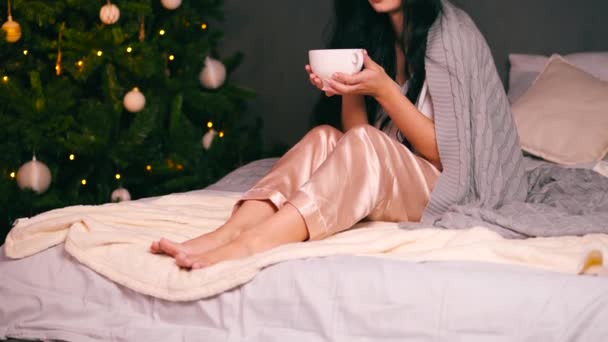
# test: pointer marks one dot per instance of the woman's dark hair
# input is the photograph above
(357, 25)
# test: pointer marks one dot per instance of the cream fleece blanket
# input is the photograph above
(113, 239)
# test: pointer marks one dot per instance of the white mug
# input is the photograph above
(325, 63)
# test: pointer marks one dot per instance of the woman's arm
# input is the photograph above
(373, 81)
(415, 126)
(354, 112)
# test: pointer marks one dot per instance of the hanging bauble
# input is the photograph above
(208, 139)
(34, 175)
(109, 13)
(171, 4)
(213, 74)
(12, 29)
(121, 195)
(134, 101)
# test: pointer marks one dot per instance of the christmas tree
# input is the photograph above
(116, 96)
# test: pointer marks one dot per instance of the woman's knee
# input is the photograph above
(363, 132)
(324, 134)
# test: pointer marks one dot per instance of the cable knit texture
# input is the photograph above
(483, 180)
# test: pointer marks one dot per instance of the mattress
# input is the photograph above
(345, 298)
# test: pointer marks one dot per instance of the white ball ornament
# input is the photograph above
(109, 14)
(213, 74)
(208, 139)
(171, 4)
(34, 175)
(134, 101)
(121, 195)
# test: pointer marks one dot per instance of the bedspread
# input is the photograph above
(113, 239)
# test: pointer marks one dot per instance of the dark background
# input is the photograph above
(275, 36)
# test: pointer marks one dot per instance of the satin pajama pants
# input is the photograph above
(337, 179)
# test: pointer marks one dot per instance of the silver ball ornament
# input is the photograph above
(34, 175)
(121, 195)
(171, 4)
(208, 139)
(213, 74)
(109, 14)
(134, 101)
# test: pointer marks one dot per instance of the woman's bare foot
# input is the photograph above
(286, 226)
(250, 213)
(200, 244)
(243, 246)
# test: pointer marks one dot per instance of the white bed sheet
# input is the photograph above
(51, 296)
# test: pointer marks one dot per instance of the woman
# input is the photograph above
(331, 180)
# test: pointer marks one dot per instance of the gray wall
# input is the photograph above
(275, 36)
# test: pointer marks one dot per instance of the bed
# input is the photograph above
(51, 296)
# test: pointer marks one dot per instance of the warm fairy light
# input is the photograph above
(25, 52)
(99, 53)
(72, 156)
(80, 64)
(221, 134)
(203, 26)
(129, 49)
(148, 168)
(5, 79)
(179, 167)
(171, 57)
(83, 182)
(57, 67)
(210, 124)
(117, 176)
(161, 32)
(13, 174)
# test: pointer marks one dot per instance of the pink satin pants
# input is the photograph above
(337, 179)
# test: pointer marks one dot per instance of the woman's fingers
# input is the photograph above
(341, 88)
(317, 82)
(349, 79)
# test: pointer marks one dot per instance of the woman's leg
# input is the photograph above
(267, 196)
(368, 174)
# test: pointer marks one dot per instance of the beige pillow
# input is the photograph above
(563, 117)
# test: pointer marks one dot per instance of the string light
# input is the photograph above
(203, 26)
(83, 182)
(149, 168)
(171, 57)
(99, 53)
(72, 156)
(161, 32)
(25, 52)
(221, 134)
(5, 79)
(13, 174)
(210, 124)
(117, 176)
(179, 167)
(129, 49)
(80, 64)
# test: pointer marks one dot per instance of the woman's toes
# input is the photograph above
(155, 247)
(184, 260)
(170, 248)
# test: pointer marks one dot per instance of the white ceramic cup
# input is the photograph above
(325, 63)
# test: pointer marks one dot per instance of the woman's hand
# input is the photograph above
(316, 81)
(371, 81)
